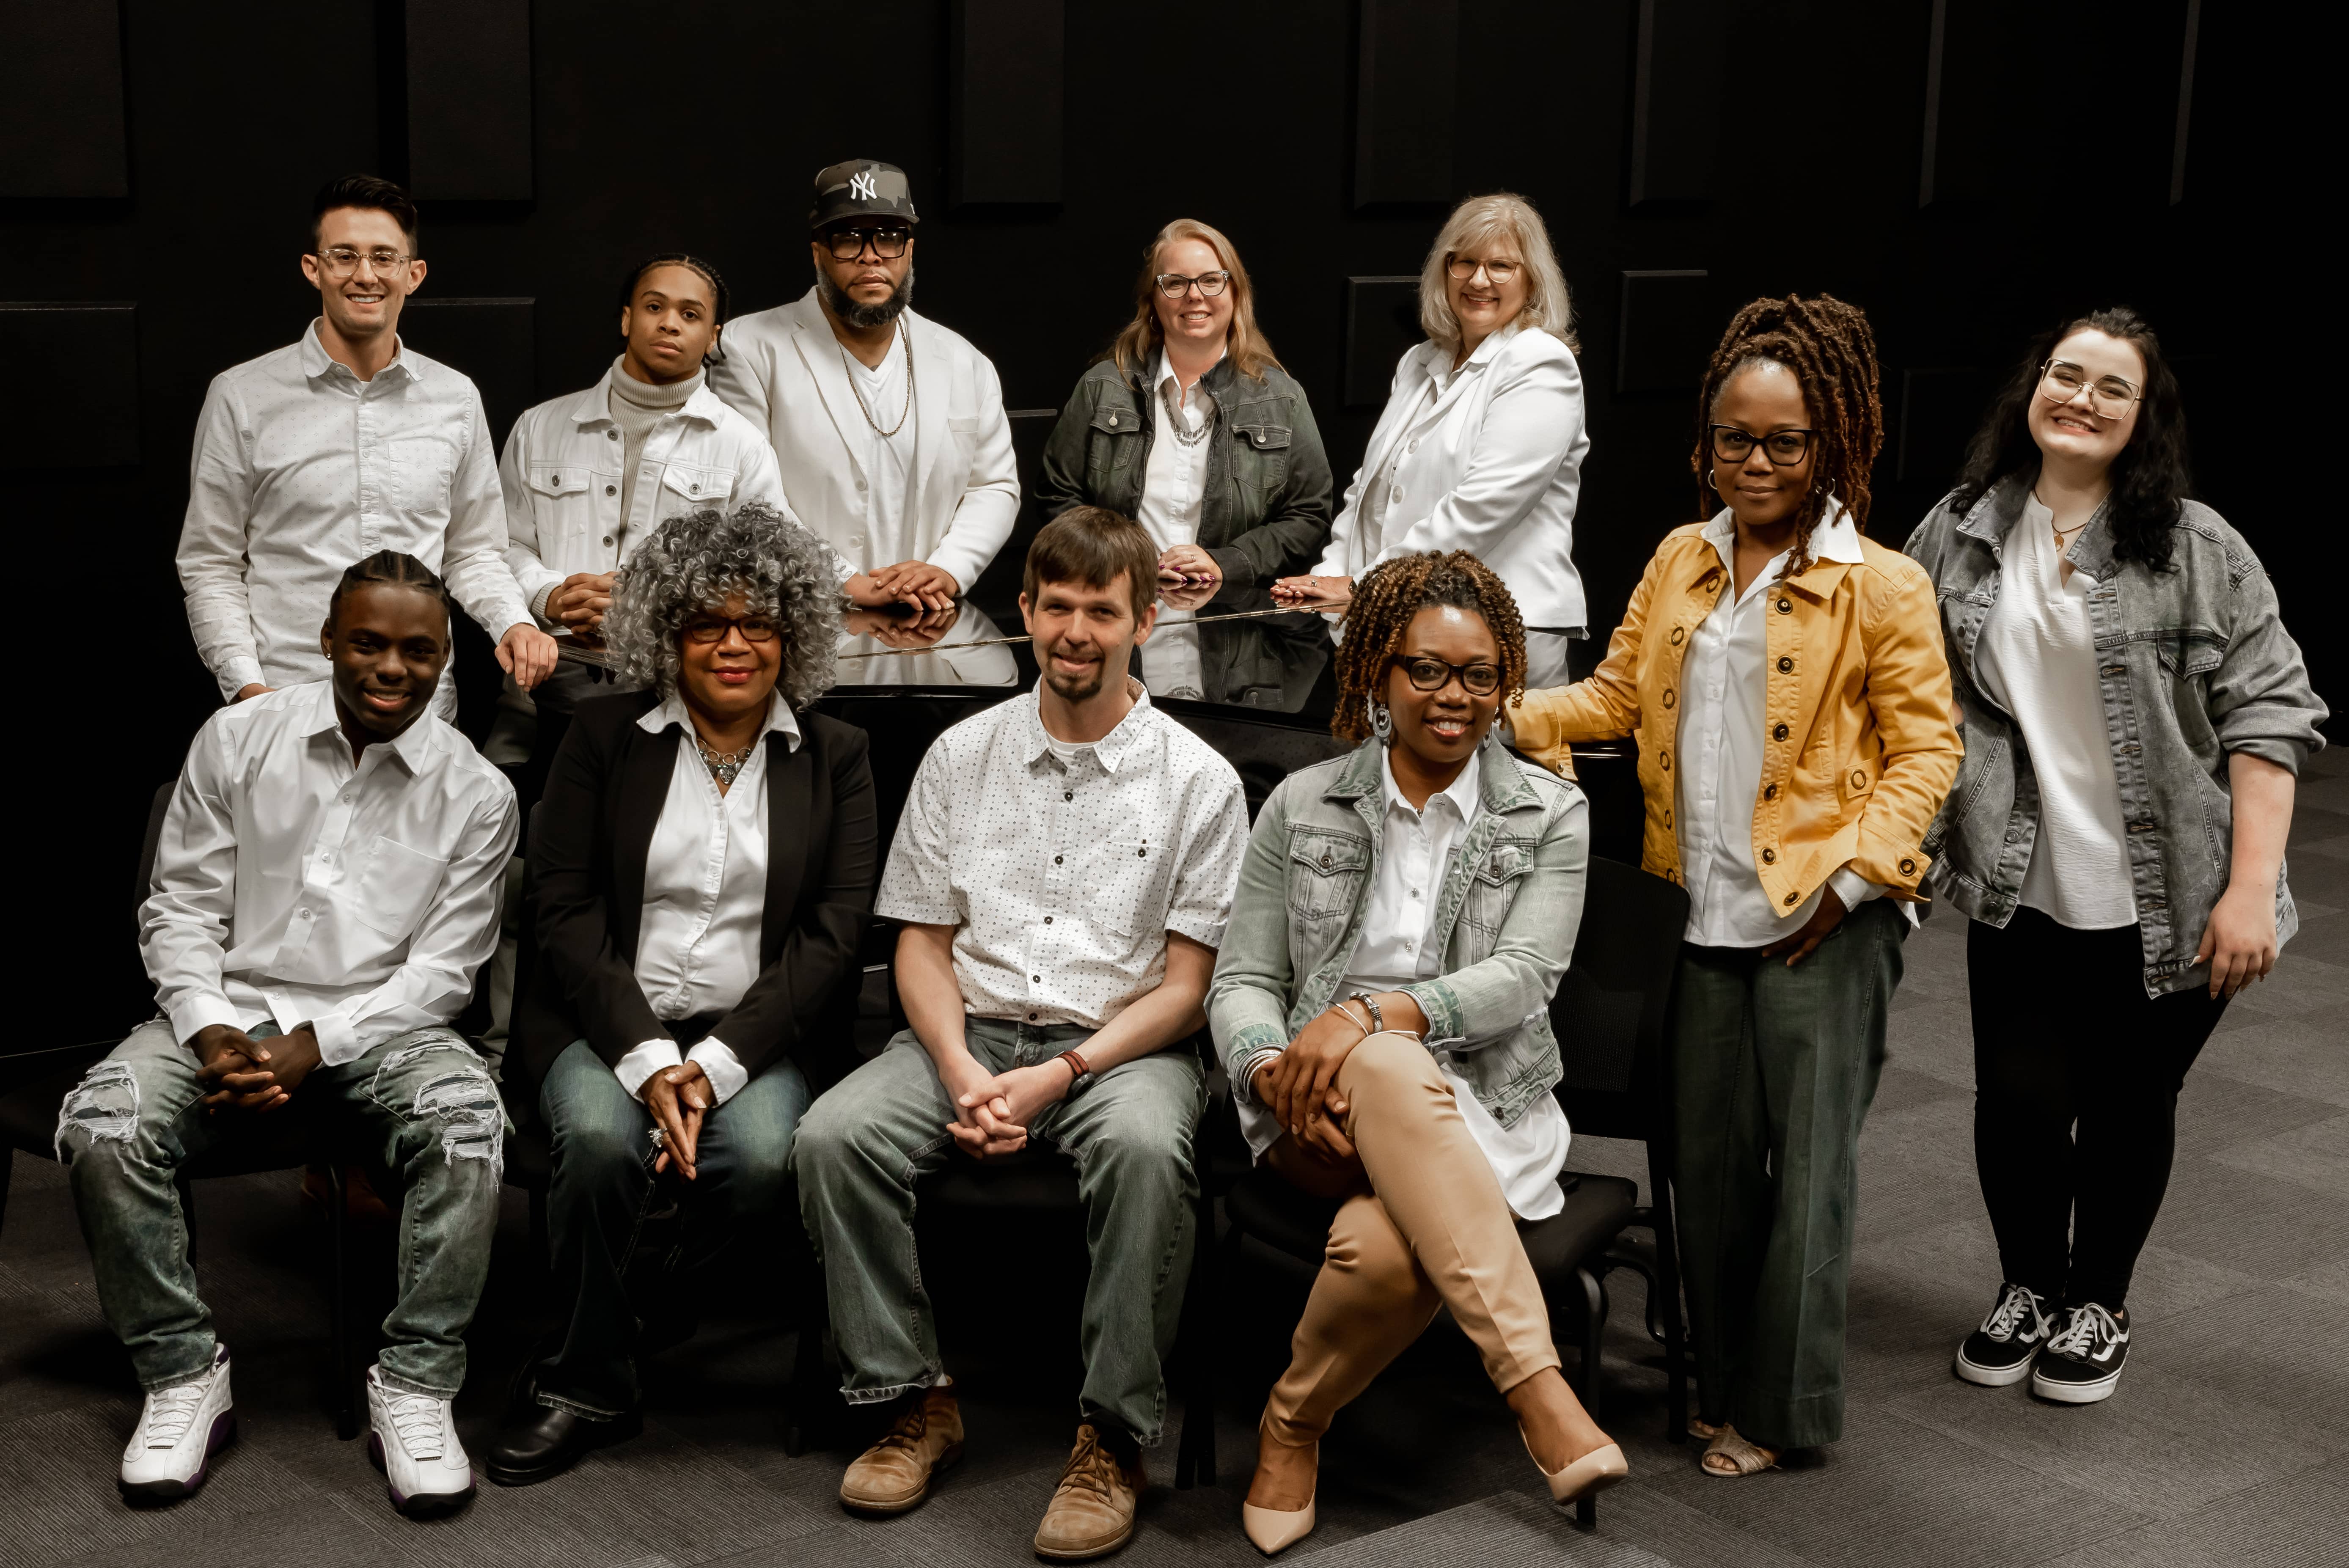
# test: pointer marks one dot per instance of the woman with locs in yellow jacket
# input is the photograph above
(1786, 682)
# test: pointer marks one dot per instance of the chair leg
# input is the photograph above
(7, 1170)
(347, 1416)
(805, 1422)
(1594, 1327)
(1194, 1462)
(1667, 1293)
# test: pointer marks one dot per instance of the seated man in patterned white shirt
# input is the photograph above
(326, 888)
(1064, 869)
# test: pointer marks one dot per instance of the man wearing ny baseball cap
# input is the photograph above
(888, 427)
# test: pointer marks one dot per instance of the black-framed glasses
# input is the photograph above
(888, 244)
(338, 262)
(754, 627)
(1174, 285)
(1426, 674)
(2109, 396)
(1785, 448)
(1465, 267)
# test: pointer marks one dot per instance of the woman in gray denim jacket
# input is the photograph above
(1381, 999)
(2134, 716)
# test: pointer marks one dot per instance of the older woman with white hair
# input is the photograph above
(1481, 444)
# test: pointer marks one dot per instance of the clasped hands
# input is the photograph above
(1299, 1085)
(249, 1075)
(992, 1110)
(931, 590)
(678, 1097)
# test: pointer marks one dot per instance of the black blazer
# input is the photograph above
(587, 849)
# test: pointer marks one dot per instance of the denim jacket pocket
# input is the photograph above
(1326, 873)
(1494, 890)
(2188, 652)
(1260, 455)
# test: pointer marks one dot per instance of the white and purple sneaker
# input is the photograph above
(179, 1432)
(413, 1441)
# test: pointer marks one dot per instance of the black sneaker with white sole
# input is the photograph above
(1999, 1352)
(2080, 1362)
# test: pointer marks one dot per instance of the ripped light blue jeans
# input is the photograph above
(420, 1106)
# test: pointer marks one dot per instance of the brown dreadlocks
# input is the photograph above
(1831, 351)
(1384, 602)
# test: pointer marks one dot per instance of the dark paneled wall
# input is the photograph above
(1967, 169)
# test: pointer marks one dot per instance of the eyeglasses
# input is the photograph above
(1785, 448)
(2109, 396)
(1465, 267)
(338, 262)
(1434, 675)
(754, 627)
(847, 244)
(1174, 285)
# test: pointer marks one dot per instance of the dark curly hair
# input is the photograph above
(1384, 602)
(1831, 352)
(2150, 478)
(718, 305)
(693, 561)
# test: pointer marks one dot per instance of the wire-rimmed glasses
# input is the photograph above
(2109, 396)
(1465, 267)
(339, 262)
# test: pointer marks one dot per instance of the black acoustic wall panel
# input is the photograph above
(1005, 68)
(494, 342)
(1407, 79)
(469, 100)
(1678, 52)
(61, 131)
(1940, 406)
(85, 412)
(1668, 330)
(1381, 321)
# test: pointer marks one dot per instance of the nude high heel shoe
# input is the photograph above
(1271, 1529)
(1593, 1472)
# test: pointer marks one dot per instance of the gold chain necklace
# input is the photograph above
(902, 338)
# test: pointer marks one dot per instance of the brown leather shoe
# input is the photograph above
(1092, 1513)
(894, 1474)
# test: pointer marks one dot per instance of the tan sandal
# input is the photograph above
(1740, 1457)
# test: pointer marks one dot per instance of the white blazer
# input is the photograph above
(1492, 463)
(782, 372)
(561, 473)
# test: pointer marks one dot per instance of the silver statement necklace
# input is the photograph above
(724, 767)
(854, 392)
(1182, 427)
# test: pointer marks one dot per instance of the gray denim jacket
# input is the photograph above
(2196, 665)
(1507, 913)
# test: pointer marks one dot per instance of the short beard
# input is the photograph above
(1073, 691)
(865, 317)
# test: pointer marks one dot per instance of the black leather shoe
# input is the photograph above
(539, 1442)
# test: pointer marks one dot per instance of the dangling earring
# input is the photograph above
(1381, 725)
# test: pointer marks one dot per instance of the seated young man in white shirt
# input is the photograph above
(1063, 867)
(589, 475)
(327, 885)
(342, 444)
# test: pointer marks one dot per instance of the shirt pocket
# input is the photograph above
(421, 470)
(1124, 886)
(397, 887)
(691, 486)
(1326, 875)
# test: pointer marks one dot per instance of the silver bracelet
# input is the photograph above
(1371, 1005)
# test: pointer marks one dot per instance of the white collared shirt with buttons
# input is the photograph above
(561, 477)
(1725, 691)
(300, 471)
(1173, 491)
(1399, 947)
(705, 898)
(294, 886)
(1063, 878)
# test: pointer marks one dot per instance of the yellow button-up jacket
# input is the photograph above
(1859, 747)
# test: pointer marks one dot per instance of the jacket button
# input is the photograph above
(1859, 779)
(1678, 633)
(1669, 698)
(611, 490)
(1664, 761)
(1769, 792)
(1779, 734)
(1785, 607)
(1113, 421)
(611, 435)
(607, 541)
(1791, 897)
(1668, 817)
(693, 489)
(1325, 858)
(1907, 867)
(1786, 667)
(1769, 857)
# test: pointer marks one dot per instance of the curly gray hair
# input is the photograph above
(693, 561)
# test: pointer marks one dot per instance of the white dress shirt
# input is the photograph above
(1725, 688)
(1174, 490)
(563, 485)
(1063, 878)
(782, 372)
(1399, 946)
(300, 471)
(705, 898)
(2037, 658)
(293, 886)
(1487, 458)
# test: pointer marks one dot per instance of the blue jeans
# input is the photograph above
(602, 1188)
(884, 1127)
(421, 1104)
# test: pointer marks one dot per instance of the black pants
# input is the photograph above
(2064, 1034)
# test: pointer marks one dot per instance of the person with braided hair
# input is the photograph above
(1381, 1002)
(1785, 677)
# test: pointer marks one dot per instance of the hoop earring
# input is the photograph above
(1381, 725)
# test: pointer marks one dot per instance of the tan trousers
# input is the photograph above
(1431, 1228)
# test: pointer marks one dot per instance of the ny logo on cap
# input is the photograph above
(860, 186)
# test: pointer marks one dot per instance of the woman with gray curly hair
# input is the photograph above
(702, 867)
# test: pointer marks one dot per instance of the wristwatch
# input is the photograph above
(1083, 1078)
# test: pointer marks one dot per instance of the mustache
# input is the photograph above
(865, 317)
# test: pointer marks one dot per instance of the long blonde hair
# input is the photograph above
(1143, 336)
(1549, 306)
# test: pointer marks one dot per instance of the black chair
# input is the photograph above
(1609, 1015)
(283, 1140)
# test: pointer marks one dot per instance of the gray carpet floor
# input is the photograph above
(2228, 1443)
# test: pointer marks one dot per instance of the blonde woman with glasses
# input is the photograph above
(1481, 444)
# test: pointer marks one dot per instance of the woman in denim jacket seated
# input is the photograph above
(2136, 715)
(1382, 1002)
